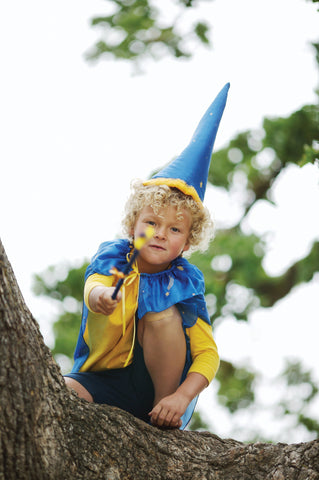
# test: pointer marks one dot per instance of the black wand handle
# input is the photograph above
(125, 272)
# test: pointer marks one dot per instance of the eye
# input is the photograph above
(150, 222)
(175, 229)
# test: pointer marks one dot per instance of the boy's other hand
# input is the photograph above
(168, 411)
(100, 300)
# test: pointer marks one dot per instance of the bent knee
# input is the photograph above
(78, 388)
(168, 321)
(169, 315)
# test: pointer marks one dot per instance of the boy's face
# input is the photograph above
(169, 241)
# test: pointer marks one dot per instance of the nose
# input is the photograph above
(160, 232)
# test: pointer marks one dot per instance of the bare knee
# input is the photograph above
(169, 319)
(169, 315)
(78, 388)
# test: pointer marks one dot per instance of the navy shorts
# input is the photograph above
(129, 388)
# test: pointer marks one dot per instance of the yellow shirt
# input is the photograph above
(111, 338)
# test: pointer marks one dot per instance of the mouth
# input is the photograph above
(156, 247)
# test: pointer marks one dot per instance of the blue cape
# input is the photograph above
(181, 285)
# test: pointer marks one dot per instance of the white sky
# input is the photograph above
(73, 136)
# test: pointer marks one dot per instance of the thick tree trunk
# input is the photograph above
(48, 433)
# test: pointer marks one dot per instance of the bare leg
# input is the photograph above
(78, 388)
(162, 339)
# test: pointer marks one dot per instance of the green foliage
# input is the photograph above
(235, 386)
(310, 424)
(295, 375)
(197, 423)
(64, 284)
(232, 285)
(300, 392)
(245, 285)
(136, 30)
(61, 281)
(316, 47)
(289, 136)
(65, 331)
(201, 29)
(258, 156)
(254, 159)
(311, 155)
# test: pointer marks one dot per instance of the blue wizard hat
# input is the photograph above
(189, 171)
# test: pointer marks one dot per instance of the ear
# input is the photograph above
(186, 246)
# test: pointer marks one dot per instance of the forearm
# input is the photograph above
(205, 358)
(192, 386)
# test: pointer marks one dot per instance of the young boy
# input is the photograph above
(150, 351)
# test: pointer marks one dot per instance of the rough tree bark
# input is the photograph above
(48, 433)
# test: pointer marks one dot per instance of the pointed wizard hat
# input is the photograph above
(189, 171)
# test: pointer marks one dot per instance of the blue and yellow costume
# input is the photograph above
(107, 343)
(109, 361)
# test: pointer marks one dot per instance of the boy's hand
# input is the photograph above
(167, 412)
(100, 300)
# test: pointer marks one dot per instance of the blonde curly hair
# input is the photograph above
(159, 196)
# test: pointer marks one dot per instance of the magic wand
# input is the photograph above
(138, 244)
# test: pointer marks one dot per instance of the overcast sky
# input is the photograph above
(74, 135)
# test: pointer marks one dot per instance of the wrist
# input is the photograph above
(193, 384)
(184, 393)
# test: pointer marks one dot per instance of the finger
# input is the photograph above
(108, 309)
(154, 414)
(176, 422)
(172, 420)
(164, 418)
(168, 421)
(109, 302)
(118, 295)
(157, 416)
(105, 309)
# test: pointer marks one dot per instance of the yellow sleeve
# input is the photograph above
(203, 350)
(96, 280)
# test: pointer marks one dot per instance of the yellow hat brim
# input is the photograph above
(176, 183)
